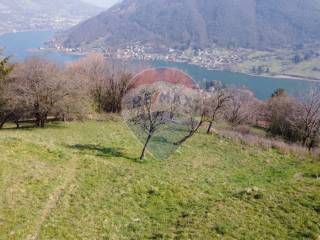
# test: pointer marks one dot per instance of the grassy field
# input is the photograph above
(83, 181)
(280, 63)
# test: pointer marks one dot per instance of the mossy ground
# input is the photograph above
(83, 181)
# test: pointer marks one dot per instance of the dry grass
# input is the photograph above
(245, 136)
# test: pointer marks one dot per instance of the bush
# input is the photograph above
(296, 120)
(39, 89)
(105, 82)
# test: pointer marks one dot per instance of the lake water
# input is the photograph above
(19, 45)
(263, 87)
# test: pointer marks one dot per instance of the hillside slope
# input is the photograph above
(82, 181)
(201, 23)
(43, 14)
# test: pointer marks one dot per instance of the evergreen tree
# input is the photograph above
(5, 67)
(279, 93)
(5, 70)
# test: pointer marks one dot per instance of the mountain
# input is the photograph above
(43, 14)
(201, 23)
(103, 3)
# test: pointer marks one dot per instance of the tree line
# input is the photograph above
(39, 90)
(192, 110)
(295, 119)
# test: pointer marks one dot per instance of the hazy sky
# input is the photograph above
(102, 3)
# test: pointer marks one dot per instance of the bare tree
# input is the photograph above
(147, 114)
(309, 117)
(295, 119)
(105, 81)
(41, 86)
(195, 111)
(281, 112)
(93, 71)
(117, 87)
(215, 104)
(241, 108)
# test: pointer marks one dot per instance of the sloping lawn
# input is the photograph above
(83, 181)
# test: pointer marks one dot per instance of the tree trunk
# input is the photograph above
(4, 120)
(42, 121)
(312, 142)
(16, 120)
(185, 138)
(38, 119)
(145, 146)
(210, 126)
(191, 133)
(305, 141)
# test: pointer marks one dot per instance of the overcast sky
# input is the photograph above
(102, 3)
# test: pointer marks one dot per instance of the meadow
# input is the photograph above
(83, 180)
(280, 63)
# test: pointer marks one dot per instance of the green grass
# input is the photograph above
(162, 144)
(83, 181)
(280, 63)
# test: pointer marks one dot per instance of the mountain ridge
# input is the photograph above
(201, 23)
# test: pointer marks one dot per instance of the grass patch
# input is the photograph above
(209, 188)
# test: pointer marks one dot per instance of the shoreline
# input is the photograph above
(294, 77)
(284, 77)
(25, 31)
(274, 76)
(227, 69)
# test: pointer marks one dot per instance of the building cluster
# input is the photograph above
(20, 23)
(208, 58)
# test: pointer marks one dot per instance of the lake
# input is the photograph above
(19, 45)
(263, 87)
